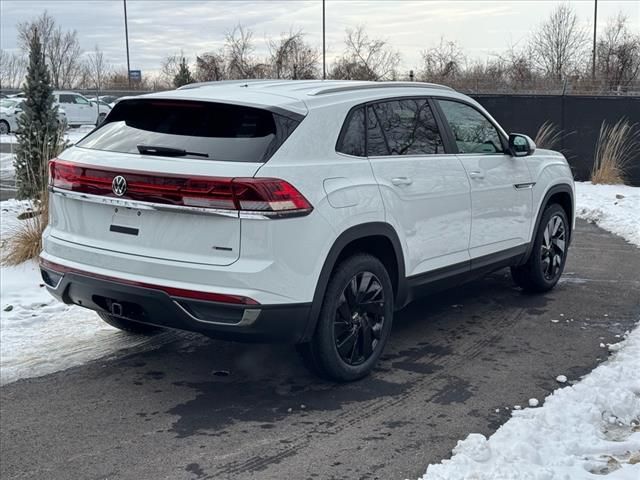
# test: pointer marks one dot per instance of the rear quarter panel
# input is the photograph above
(341, 188)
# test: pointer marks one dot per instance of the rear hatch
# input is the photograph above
(155, 179)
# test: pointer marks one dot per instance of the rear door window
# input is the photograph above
(402, 127)
(191, 129)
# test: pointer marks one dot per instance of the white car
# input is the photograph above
(80, 110)
(10, 110)
(298, 211)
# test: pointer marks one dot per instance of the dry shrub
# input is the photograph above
(24, 242)
(617, 146)
(548, 136)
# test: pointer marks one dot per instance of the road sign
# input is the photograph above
(135, 75)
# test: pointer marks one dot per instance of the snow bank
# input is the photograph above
(613, 207)
(38, 334)
(582, 432)
(585, 431)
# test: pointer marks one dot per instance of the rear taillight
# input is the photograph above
(270, 197)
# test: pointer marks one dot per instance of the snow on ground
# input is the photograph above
(7, 170)
(582, 432)
(613, 207)
(38, 334)
(586, 431)
(71, 134)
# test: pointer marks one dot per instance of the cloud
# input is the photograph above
(161, 27)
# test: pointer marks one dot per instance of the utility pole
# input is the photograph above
(126, 35)
(324, 44)
(595, 23)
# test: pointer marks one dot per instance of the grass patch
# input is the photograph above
(24, 242)
(617, 146)
(548, 136)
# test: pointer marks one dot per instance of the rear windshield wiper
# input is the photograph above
(168, 151)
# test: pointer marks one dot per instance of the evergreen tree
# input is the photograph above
(39, 135)
(183, 77)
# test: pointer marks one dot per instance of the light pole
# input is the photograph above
(324, 45)
(595, 22)
(126, 36)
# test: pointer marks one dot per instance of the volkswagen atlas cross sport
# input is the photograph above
(305, 212)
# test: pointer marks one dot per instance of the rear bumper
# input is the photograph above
(285, 323)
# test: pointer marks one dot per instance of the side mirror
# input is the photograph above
(521, 145)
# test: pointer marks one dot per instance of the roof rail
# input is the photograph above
(365, 86)
(218, 82)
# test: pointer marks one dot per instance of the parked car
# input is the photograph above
(80, 110)
(302, 211)
(108, 99)
(10, 110)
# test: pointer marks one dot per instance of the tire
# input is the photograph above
(129, 326)
(548, 256)
(354, 322)
(100, 119)
(4, 127)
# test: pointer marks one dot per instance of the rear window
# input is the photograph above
(189, 129)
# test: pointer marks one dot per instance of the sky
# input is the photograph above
(158, 28)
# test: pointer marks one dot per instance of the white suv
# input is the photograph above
(80, 110)
(298, 211)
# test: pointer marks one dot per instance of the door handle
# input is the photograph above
(477, 175)
(401, 181)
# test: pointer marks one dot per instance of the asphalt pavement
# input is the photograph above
(196, 408)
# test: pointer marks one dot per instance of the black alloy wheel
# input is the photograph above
(553, 247)
(359, 318)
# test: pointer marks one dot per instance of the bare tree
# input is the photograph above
(443, 62)
(169, 69)
(97, 68)
(61, 49)
(44, 25)
(292, 58)
(618, 53)
(13, 68)
(210, 67)
(478, 74)
(64, 57)
(118, 80)
(560, 44)
(366, 58)
(238, 48)
(519, 68)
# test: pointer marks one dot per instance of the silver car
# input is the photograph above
(10, 110)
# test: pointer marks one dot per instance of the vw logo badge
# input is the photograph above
(119, 185)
